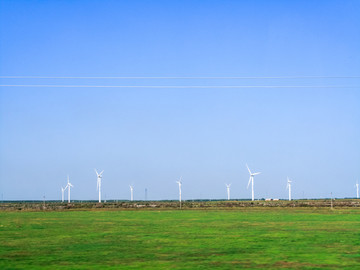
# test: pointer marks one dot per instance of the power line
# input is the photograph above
(180, 86)
(162, 77)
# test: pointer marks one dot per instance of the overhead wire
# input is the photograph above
(179, 86)
(180, 77)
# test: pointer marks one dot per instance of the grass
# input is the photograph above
(303, 238)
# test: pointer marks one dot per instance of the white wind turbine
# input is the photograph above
(98, 186)
(357, 189)
(62, 194)
(179, 182)
(228, 191)
(288, 186)
(132, 192)
(251, 180)
(68, 186)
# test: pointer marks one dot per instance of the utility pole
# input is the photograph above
(331, 202)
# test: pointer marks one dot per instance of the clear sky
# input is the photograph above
(150, 137)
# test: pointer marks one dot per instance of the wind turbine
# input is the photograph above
(357, 189)
(62, 194)
(68, 186)
(132, 192)
(98, 187)
(288, 186)
(179, 182)
(251, 180)
(228, 191)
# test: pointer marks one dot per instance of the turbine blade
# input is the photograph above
(249, 182)
(101, 172)
(248, 168)
(256, 173)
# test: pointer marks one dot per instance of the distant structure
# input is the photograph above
(228, 191)
(98, 186)
(62, 194)
(131, 192)
(357, 189)
(288, 186)
(179, 182)
(145, 194)
(251, 180)
(68, 186)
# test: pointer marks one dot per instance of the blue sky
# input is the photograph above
(151, 137)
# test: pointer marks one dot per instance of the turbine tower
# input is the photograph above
(68, 186)
(357, 189)
(251, 180)
(179, 182)
(132, 192)
(228, 191)
(288, 186)
(98, 187)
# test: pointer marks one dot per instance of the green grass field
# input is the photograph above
(303, 238)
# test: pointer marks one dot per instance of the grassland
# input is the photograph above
(291, 238)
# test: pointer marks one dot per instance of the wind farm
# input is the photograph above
(180, 194)
(179, 135)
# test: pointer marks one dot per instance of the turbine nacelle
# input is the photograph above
(252, 174)
(288, 183)
(99, 175)
(179, 182)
